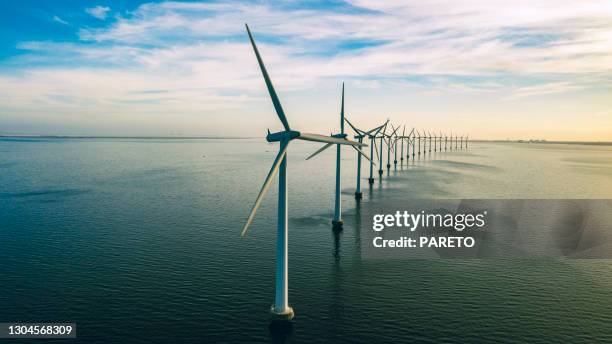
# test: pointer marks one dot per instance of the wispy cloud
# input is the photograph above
(59, 20)
(99, 12)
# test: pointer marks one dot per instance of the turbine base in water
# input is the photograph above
(359, 195)
(337, 225)
(380, 172)
(286, 315)
(371, 181)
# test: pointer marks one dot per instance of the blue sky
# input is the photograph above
(538, 68)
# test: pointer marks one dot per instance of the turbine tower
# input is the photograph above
(435, 138)
(402, 142)
(281, 309)
(413, 143)
(456, 141)
(337, 222)
(419, 143)
(382, 138)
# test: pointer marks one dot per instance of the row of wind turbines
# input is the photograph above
(417, 144)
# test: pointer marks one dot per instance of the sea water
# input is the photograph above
(138, 241)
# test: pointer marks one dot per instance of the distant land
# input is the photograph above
(13, 136)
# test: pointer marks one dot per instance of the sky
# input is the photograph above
(537, 69)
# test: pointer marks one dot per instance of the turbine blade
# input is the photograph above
(328, 139)
(265, 187)
(359, 132)
(377, 129)
(393, 133)
(320, 150)
(364, 154)
(275, 100)
(376, 149)
(342, 112)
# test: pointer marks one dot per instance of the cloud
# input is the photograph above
(59, 20)
(99, 12)
(542, 89)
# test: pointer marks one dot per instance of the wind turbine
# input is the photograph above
(419, 144)
(337, 221)
(389, 144)
(445, 142)
(360, 135)
(456, 141)
(466, 141)
(281, 308)
(382, 138)
(413, 143)
(429, 133)
(395, 149)
(407, 138)
(403, 139)
(435, 138)
(373, 146)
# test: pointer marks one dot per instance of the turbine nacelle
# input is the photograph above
(286, 135)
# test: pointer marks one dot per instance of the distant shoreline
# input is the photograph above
(592, 143)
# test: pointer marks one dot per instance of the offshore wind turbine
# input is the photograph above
(456, 141)
(389, 144)
(466, 141)
(403, 139)
(408, 145)
(429, 133)
(419, 143)
(395, 148)
(337, 222)
(382, 138)
(445, 142)
(360, 135)
(413, 144)
(281, 308)
(435, 138)
(372, 137)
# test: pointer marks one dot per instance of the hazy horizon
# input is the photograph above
(496, 70)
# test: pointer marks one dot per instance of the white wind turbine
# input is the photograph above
(360, 135)
(419, 138)
(403, 138)
(407, 138)
(337, 222)
(382, 138)
(281, 307)
(389, 146)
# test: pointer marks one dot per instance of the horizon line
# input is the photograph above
(210, 137)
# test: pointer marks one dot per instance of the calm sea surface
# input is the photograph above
(138, 241)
